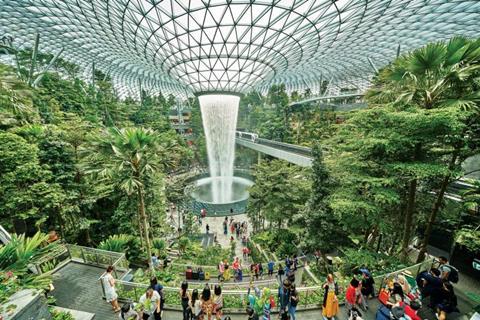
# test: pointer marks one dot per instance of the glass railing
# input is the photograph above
(53, 259)
(100, 258)
(235, 294)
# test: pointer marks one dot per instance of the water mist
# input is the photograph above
(219, 116)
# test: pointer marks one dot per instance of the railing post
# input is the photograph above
(69, 253)
(96, 258)
(83, 255)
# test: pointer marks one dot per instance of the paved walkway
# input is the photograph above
(76, 287)
(216, 228)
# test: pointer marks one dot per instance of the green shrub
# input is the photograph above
(116, 243)
(125, 243)
(160, 245)
(377, 263)
(61, 315)
(211, 256)
(469, 238)
(183, 243)
(271, 239)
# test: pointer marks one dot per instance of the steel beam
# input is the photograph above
(93, 81)
(372, 65)
(34, 58)
(50, 64)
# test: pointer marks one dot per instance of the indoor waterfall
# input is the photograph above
(219, 116)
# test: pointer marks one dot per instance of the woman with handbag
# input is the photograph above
(330, 300)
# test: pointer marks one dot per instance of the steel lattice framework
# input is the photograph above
(187, 46)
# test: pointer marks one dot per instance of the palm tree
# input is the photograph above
(438, 75)
(128, 158)
(15, 258)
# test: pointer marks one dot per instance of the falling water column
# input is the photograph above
(219, 116)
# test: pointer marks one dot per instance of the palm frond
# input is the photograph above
(427, 59)
(456, 49)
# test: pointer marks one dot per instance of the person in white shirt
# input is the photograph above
(196, 305)
(151, 305)
(109, 287)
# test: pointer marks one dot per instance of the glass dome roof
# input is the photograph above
(188, 46)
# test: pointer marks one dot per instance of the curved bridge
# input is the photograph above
(302, 156)
(298, 155)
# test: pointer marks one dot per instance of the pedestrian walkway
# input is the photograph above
(216, 228)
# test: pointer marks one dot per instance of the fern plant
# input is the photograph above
(116, 243)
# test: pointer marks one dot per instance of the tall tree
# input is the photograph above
(324, 231)
(279, 193)
(129, 158)
(438, 75)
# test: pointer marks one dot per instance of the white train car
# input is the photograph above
(253, 137)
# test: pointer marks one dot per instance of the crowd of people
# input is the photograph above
(205, 305)
(261, 303)
(149, 306)
(399, 298)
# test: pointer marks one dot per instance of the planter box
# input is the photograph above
(29, 304)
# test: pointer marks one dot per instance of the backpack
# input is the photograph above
(453, 274)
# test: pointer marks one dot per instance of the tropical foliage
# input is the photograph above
(16, 259)
(49, 131)
(385, 170)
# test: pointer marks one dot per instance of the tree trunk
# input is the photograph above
(407, 227)
(88, 238)
(141, 207)
(379, 243)
(436, 208)
(61, 223)
(372, 237)
(393, 244)
(366, 233)
(325, 262)
(140, 227)
(299, 126)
